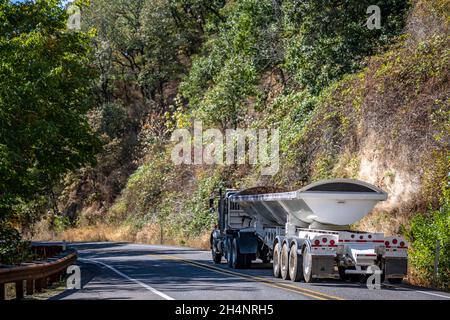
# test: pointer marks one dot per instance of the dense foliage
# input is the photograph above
(12, 248)
(304, 44)
(349, 101)
(45, 82)
(425, 234)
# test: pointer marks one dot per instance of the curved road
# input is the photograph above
(124, 271)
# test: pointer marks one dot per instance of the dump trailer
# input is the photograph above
(306, 233)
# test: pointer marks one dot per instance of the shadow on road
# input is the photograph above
(101, 283)
(153, 266)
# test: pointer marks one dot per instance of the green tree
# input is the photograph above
(45, 82)
(303, 44)
(232, 60)
(327, 39)
(145, 44)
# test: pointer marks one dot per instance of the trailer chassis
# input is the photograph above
(308, 255)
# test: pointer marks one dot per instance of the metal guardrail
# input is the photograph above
(37, 275)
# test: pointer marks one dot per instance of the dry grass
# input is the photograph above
(414, 278)
(97, 233)
(10, 290)
(149, 234)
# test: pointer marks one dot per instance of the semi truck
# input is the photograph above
(306, 234)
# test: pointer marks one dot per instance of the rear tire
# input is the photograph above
(285, 262)
(395, 280)
(248, 261)
(342, 274)
(307, 265)
(276, 261)
(265, 260)
(295, 265)
(217, 257)
(238, 260)
(229, 252)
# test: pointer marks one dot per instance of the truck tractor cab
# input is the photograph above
(233, 238)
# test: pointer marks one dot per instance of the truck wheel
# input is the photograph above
(276, 261)
(307, 265)
(295, 264)
(236, 258)
(248, 261)
(217, 257)
(395, 280)
(265, 260)
(285, 262)
(342, 274)
(229, 255)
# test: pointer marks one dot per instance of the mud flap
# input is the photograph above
(248, 243)
(396, 267)
(324, 267)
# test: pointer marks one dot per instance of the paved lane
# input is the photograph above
(128, 271)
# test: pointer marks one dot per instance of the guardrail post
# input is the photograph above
(38, 284)
(19, 290)
(57, 277)
(53, 270)
(44, 284)
(30, 287)
(2, 292)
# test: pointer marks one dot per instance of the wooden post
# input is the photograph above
(2, 292)
(44, 284)
(19, 290)
(30, 287)
(54, 279)
(436, 263)
(38, 284)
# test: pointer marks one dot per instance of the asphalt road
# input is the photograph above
(120, 271)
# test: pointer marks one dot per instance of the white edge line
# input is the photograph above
(424, 292)
(434, 294)
(159, 293)
(165, 296)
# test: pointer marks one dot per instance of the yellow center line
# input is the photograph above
(275, 284)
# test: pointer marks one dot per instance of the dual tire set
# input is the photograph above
(235, 259)
(288, 264)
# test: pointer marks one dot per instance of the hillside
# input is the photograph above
(349, 102)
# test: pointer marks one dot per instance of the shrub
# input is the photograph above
(425, 232)
(12, 249)
(197, 206)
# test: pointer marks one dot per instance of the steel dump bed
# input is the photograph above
(337, 202)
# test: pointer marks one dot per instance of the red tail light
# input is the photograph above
(387, 243)
(402, 244)
(332, 242)
(317, 242)
(394, 241)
